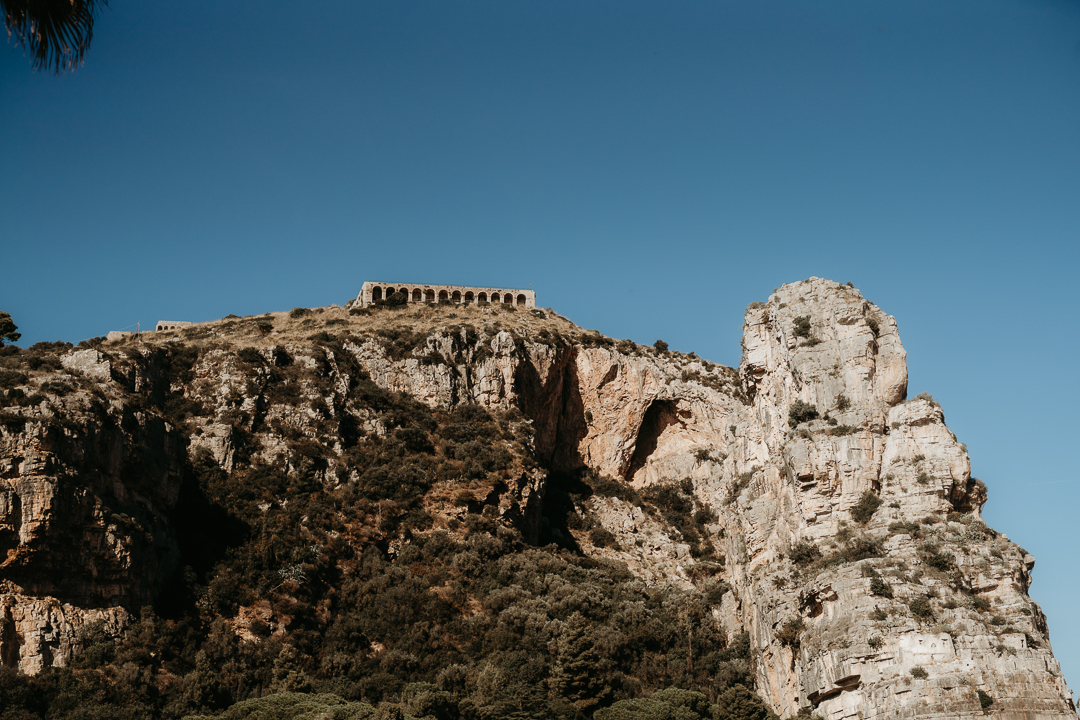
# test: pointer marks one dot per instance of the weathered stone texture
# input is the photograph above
(641, 417)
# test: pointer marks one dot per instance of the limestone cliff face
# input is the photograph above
(647, 418)
(86, 485)
(845, 513)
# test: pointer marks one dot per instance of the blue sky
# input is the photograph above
(649, 168)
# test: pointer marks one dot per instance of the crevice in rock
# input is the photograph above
(658, 417)
(609, 376)
(556, 409)
(9, 640)
(9, 537)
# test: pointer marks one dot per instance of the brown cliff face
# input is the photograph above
(842, 515)
(86, 485)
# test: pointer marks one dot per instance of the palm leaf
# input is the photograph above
(56, 33)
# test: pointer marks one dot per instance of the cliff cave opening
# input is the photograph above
(658, 416)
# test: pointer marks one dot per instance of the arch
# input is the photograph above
(482, 297)
(417, 295)
(376, 293)
(520, 300)
(469, 296)
(508, 298)
(429, 295)
(443, 296)
(456, 297)
(494, 297)
(389, 291)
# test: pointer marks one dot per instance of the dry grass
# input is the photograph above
(424, 319)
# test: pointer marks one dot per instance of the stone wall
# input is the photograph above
(457, 294)
(172, 325)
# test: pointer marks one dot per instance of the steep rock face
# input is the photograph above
(842, 515)
(86, 487)
(970, 632)
(647, 418)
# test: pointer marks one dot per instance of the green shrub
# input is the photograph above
(919, 672)
(290, 705)
(298, 312)
(866, 507)
(660, 346)
(875, 643)
(801, 412)
(802, 326)
(842, 402)
(880, 588)
(985, 700)
(7, 329)
(804, 553)
(938, 559)
(859, 548)
(789, 632)
(920, 607)
(738, 703)
(250, 355)
(601, 537)
(399, 343)
(872, 323)
(923, 479)
(9, 378)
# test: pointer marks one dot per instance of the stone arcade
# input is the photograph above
(457, 294)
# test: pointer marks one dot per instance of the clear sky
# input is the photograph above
(649, 168)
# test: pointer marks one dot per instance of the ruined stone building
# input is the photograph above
(371, 292)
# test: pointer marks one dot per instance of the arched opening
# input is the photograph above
(508, 299)
(482, 297)
(429, 295)
(658, 417)
(494, 297)
(417, 296)
(443, 296)
(520, 300)
(456, 297)
(389, 291)
(469, 297)
(376, 293)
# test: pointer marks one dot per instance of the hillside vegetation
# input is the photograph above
(356, 553)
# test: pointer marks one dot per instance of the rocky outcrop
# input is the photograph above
(815, 425)
(86, 487)
(841, 514)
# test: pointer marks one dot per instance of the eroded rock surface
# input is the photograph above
(841, 514)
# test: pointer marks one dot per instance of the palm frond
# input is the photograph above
(56, 33)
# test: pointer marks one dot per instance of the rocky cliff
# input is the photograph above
(837, 517)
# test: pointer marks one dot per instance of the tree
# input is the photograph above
(579, 672)
(738, 703)
(56, 32)
(7, 327)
